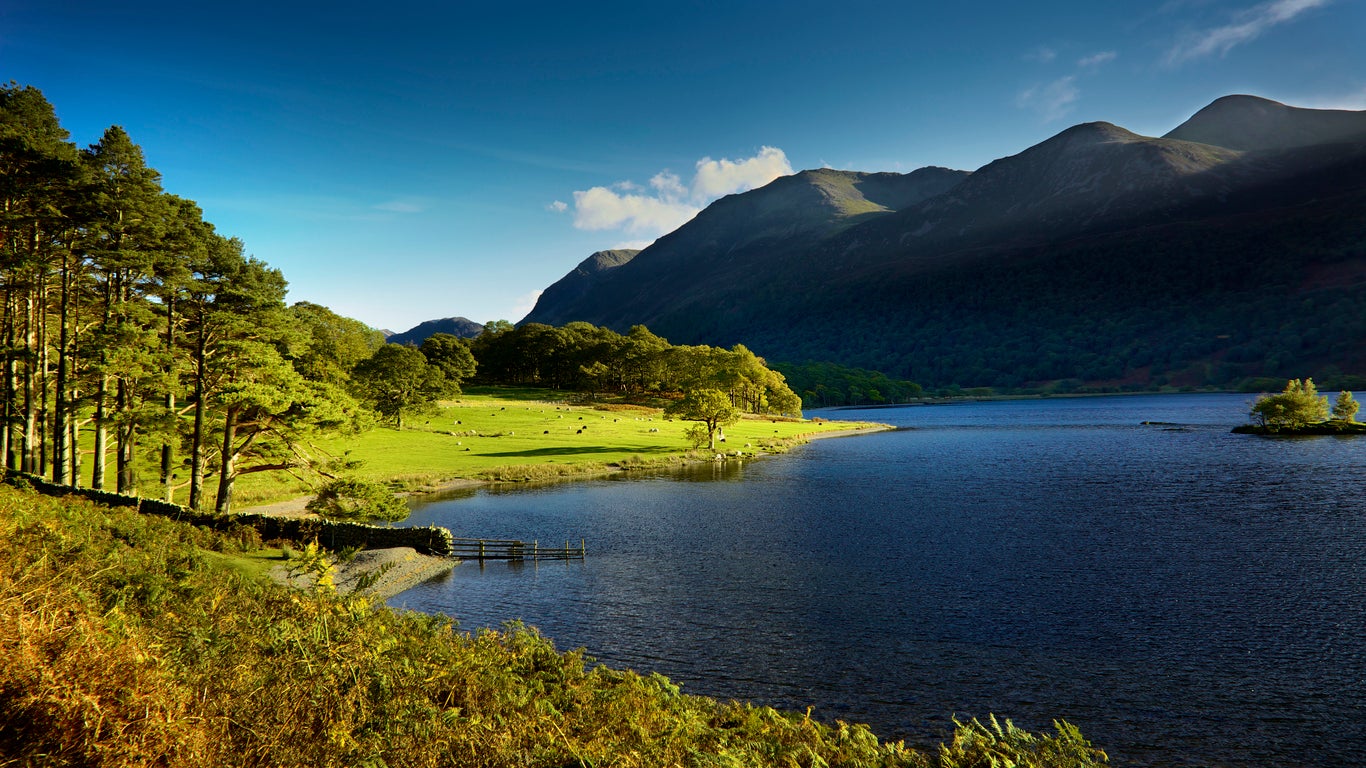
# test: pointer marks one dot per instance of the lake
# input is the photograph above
(1184, 595)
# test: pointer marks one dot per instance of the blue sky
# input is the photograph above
(403, 161)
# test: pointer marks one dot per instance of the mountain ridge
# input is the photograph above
(818, 265)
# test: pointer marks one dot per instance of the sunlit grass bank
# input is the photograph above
(132, 640)
(531, 434)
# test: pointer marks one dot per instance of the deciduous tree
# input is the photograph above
(710, 407)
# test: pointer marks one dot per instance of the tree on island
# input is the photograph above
(711, 407)
(1346, 406)
(1298, 405)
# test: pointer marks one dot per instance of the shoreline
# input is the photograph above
(378, 574)
(392, 571)
(296, 507)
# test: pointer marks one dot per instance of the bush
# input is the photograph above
(1345, 409)
(1298, 405)
(354, 499)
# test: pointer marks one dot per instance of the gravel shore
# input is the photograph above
(383, 572)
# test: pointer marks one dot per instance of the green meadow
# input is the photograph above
(518, 435)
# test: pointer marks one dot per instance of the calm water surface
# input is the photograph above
(1185, 595)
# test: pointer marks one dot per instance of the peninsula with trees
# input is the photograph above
(1299, 409)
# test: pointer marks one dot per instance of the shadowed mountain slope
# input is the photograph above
(734, 237)
(1253, 123)
(1097, 255)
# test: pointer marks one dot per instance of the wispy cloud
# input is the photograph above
(1096, 60)
(1247, 25)
(401, 206)
(559, 206)
(1043, 54)
(524, 304)
(1350, 101)
(1050, 100)
(669, 202)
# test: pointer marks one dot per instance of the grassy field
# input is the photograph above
(530, 434)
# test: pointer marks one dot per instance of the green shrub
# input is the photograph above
(355, 499)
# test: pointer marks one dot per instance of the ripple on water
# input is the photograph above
(1186, 597)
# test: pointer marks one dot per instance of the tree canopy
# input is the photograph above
(129, 326)
(1298, 405)
(711, 408)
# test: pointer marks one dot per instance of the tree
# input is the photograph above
(1298, 405)
(452, 355)
(711, 407)
(1345, 407)
(397, 379)
(124, 239)
(333, 344)
(355, 499)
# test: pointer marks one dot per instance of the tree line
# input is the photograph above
(129, 324)
(595, 360)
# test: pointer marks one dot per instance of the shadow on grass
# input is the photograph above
(586, 450)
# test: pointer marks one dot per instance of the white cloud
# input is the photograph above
(1051, 100)
(668, 185)
(634, 245)
(559, 206)
(670, 202)
(723, 177)
(1097, 59)
(1246, 26)
(1043, 54)
(524, 304)
(601, 208)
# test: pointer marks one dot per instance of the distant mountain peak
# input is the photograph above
(1099, 132)
(455, 326)
(605, 260)
(1250, 123)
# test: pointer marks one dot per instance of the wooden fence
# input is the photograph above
(513, 549)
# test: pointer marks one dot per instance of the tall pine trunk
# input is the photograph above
(167, 449)
(29, 445)
(61, 427)
(197, 436)
(228, 464)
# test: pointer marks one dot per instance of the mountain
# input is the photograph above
(574, 286)
(455, 326)
(1252, 123)
(1097, 256)
(731, 237)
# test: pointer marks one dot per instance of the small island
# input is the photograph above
(1300, 410)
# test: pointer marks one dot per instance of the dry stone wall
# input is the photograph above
(331, 534)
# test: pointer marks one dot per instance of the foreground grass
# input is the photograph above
(123, 642)
(515, 434)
